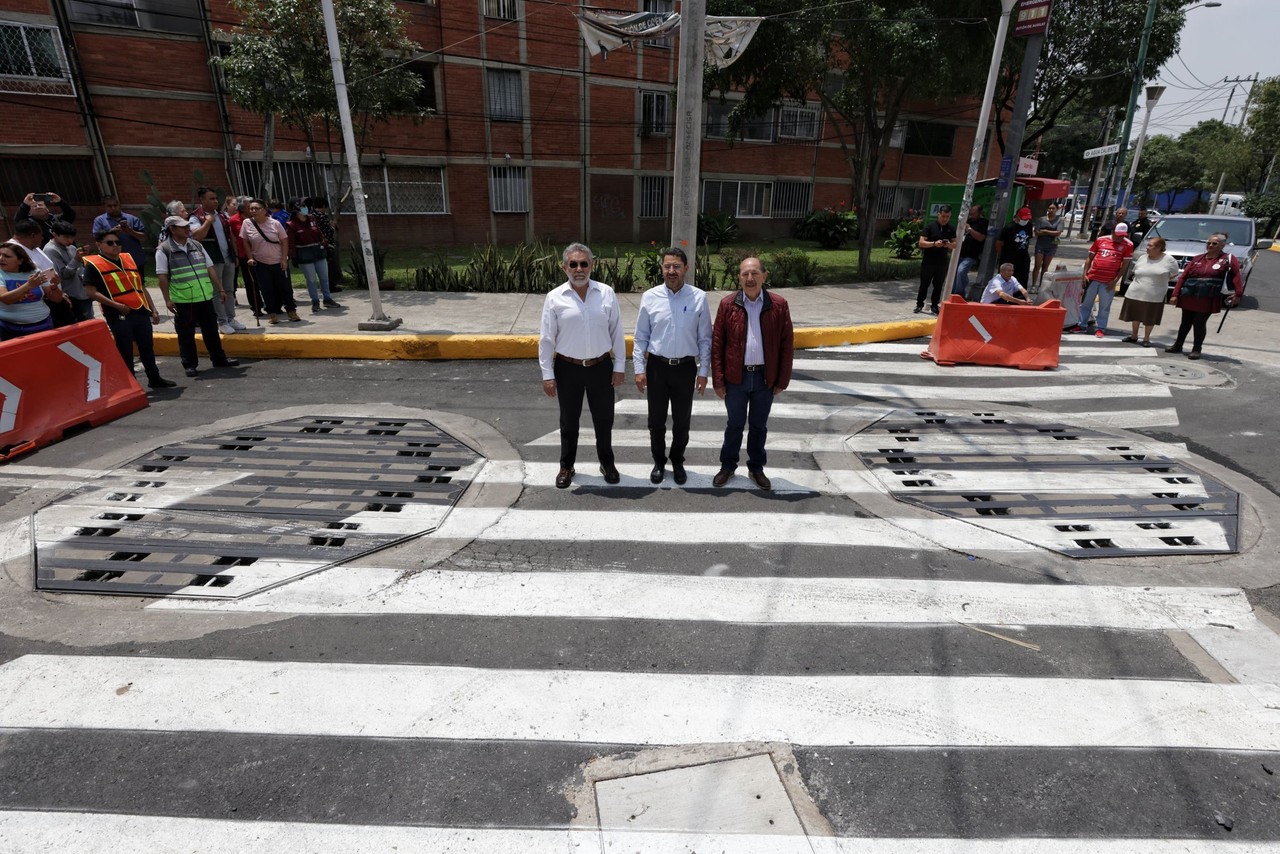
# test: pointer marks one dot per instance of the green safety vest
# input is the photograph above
(188, 273)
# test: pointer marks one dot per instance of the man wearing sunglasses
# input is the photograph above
(581, 351)
(111, 278)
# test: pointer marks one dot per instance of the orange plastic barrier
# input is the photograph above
(59, 380)
(1018, 336)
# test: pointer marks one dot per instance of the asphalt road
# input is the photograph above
(606, 622)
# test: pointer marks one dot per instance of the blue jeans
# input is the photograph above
(961, 285)
(748, 404)
(312, 270)
(1101, 291)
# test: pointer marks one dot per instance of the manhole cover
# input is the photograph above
(1182, 373)
(234, 513)
(1076, 491)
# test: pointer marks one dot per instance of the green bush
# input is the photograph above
(717, 229)
(355, 264)
(1263, 207)
(904, 239)
(619, 273)
(792, 267)
(437, 276)
(830, 227)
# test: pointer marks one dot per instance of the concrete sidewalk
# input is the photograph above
(505, 326)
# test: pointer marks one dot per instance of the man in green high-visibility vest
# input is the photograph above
(188, 282)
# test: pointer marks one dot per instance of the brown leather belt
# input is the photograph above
(586, 363)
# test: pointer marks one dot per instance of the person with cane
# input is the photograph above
(1208, 282)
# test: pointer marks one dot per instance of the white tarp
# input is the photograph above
(726, 38)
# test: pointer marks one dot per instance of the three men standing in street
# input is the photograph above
(672, 359)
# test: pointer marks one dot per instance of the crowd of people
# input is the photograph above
(204, 255)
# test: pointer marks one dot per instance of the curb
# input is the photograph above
(442, 347)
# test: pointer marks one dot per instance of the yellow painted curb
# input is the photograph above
(1274, 247)
(440, 347)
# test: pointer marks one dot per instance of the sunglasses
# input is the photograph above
(110, 242)
(1213, 243)
(574, 265)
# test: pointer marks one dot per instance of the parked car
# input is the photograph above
(1184, 236)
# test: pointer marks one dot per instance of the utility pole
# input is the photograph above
(688, 144)
(1244, 114)
(1153, 95)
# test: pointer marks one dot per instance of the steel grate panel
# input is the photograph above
(1074, 490)
(234, 513)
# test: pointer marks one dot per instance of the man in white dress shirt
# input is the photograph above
(581, 351)
(672, 357)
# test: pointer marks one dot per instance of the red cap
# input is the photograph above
(1024, 213)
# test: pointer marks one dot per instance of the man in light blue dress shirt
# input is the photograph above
(672, 357)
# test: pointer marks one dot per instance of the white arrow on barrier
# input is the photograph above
(982, 330)
(9, 409)
(94, 390)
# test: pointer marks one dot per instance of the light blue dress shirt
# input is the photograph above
(673, 325)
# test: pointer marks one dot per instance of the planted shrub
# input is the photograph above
(792, 267)
(904, 239)
(830, 227)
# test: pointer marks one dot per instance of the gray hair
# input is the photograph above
(174, 206)
(1006, 264)
(757, 259)
(576, 247)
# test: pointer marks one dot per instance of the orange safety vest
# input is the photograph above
(124, 284)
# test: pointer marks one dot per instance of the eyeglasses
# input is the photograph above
(574, 265)
(110, 242)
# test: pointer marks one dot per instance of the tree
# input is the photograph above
(1087, 60)
(1166, 169)
(279, 64)
(863, 61)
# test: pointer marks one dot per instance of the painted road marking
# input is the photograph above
(994, 394)
(401, 701)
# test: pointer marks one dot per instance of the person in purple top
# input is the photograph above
(126, 226)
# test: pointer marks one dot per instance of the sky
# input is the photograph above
(1238, 39)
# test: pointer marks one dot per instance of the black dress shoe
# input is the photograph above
(722, 477)
(229, 363)
(1193, 355)
(610, 473)
(192, 372)
(564, 478)
(679, 474)
(657, 474)
(918, 309)
(760, 479)
(1173, 349)
(161, 382)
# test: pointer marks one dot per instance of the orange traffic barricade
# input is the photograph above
(62, 380)
(1017, 336)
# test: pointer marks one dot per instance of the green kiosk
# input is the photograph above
(1026, 191)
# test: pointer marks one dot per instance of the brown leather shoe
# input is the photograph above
(760, 479)
(722, 477)
(564, 478)
(610, 473)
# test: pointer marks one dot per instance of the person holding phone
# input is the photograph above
(22, 298)
(45, 209)
(68, 263)
(129, 228)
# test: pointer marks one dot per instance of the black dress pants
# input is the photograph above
(596, 383)
(134, 329)
(931, 274)
(1195, 322)
(274, 287)
(186, 317)
(671, 385)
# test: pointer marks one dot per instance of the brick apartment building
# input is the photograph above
(529, 136)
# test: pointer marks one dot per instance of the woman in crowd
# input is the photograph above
(1199, 292)
(307, 248)
(1144, 301)
(267, 243)
(1048, 230)
(22, 307)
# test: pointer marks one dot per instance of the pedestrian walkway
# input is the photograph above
(964, 696)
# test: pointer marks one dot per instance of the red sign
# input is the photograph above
(1032, 18)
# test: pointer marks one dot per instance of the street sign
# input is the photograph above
(1032, 18)
(1101, 151)
(1028, 166)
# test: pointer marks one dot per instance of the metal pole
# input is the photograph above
(979, 136)
(378, 319)
(1153, 95)
(1091, 200)
(688, 147)
(1222, 179)
(1139, 77)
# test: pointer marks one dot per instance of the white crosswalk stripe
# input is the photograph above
(567, 704)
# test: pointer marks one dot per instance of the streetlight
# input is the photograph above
(1139, 75)
(1153, 95)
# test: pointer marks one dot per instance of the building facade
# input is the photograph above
(526, 135)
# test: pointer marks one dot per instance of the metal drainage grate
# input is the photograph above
(1076, 491)
(235, 513)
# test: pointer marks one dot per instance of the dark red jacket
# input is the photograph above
(729, 341)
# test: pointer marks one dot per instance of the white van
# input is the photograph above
(1229, 204)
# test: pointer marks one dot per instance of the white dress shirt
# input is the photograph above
(753, 353)
(581, 329)
(673, 325)
(998, 286)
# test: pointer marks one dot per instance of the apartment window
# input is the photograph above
(654, 114)
(169, 16)
(791, 199)
(894, 202)
(716, 125)
(405, 189)
(741, 198)
(507, 10)
(798, 121)
(653, 196)
(505, 101)
(509, 189)
(30, 51)
(931, 139)
(662, 7)
(426, 97)
(759, 128)
(70, 177)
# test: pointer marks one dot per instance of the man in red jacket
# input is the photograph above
(752, 346)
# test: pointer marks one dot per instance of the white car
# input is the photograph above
(1184, 236)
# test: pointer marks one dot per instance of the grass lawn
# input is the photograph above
(835, 266)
